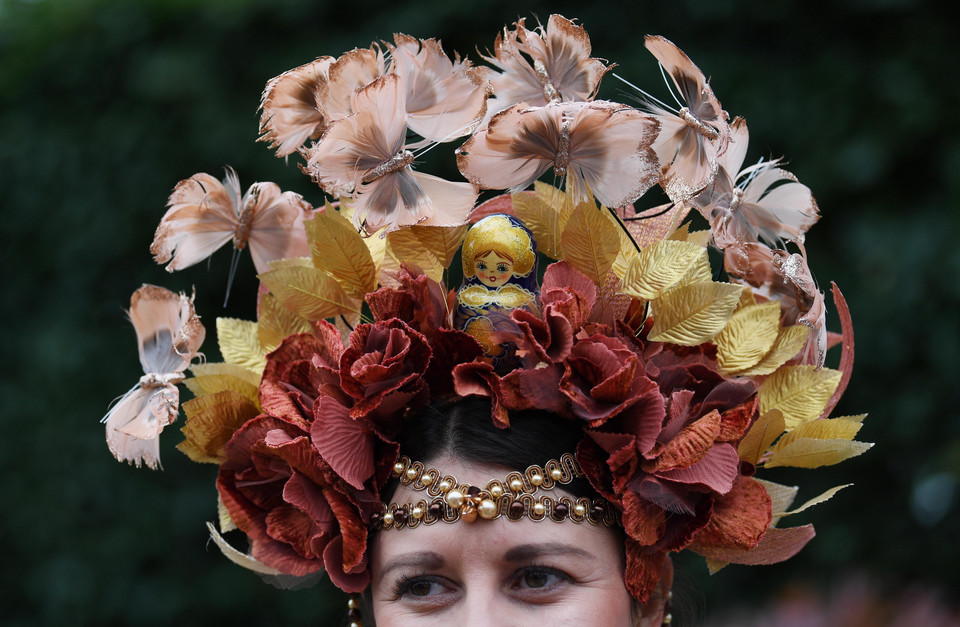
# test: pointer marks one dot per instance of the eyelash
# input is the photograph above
(404, 584)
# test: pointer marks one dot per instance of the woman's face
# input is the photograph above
(498, 571)
(493, 270)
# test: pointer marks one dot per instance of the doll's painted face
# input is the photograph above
(493, 269)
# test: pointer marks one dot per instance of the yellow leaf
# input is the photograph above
(788, 343)
(545, 213)
(748, 337)
(226, 522)
(826, 496)
(590, 242)
(378, 251)
(238, 558)
(858, 418)
(275, 322)
(761, 435)
(660, 266)
(681, 234)
(813, 453)
(430, 248)
(693, 314)
(829, 429)
(309, 292)
(800, 392)
(781, 497)
(701, 238)
(628, 250)
(239, 344)
(746, 298)
(211, 421)
(339, 250)
(211, 378)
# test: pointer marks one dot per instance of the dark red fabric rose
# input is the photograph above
(383, 359)
(298, 514)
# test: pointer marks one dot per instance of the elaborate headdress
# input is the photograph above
(685, 386)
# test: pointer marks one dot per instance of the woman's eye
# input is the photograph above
(422, 588)
(539, 578)
(419, 587)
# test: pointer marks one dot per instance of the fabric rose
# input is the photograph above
(298, 514)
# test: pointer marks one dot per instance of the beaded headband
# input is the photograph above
(511, 498)
(681, 388)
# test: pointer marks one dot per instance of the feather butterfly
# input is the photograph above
(169, 334)
(600, 148)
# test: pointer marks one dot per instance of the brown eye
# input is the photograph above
(536, 579)
(420, 588)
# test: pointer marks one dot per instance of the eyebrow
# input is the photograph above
(425, 560)
(526, 552)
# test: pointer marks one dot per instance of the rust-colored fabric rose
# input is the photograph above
(384, 358)
(298, 514)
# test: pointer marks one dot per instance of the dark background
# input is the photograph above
(105, 105)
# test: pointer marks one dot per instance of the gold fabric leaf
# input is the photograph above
(212, 378)
(746, 298)
(827, 429)
(545, 213)
(768, 427)
(338, 249)
(430, 248)
(826, 496)
(800, 392)
(239, 343)
(788, 343)
(590, 242)
(211, 421)
(308, 292)
(238, 558)
(693, 314)
(813, 453)
(781, 497)
(226, 522)
(275, 322)
(748, 337)
(660, 266)
(701, 238)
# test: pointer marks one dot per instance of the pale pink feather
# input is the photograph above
(446, 98)
(692, 139)
(204, 214)
(350, 73)
(602, 148)
(169, 334)
(290, 114)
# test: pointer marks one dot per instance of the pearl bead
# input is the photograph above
(455, 499)
(580, 511)
(388, 519)
(417, 512)
(488, 509)
(556, 474)
(426, 479)
(444, 486)
(496, 491)
(397, 468)
(411, 473)
(516, 485)
(538, 508)
(536, 479)
(353, 604)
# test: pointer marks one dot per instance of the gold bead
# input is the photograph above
(516, 485)
(411, 473)
(444, 486)
(556, 474)
(388, 519)
(580, 511)
(426, 479)
(488, 509)
(469, 516)
(417, 512)
(536, 479)
(454, 499)
(353, 604)
(667, 619)
(496, 491)
(356, 624)
(397, 468)
(539, 508)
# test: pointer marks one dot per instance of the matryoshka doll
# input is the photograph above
(499, 275)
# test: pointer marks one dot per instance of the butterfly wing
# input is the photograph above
(445, 99)
(135, 412)
(201, 217)
(777, 206)
(289, 111)
(350, 73)
(276, 228)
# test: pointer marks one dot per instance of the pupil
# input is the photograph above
(420, 588)
(536, 579)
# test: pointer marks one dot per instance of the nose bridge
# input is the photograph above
(484, 603)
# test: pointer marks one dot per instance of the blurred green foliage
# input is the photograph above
(106, 104)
